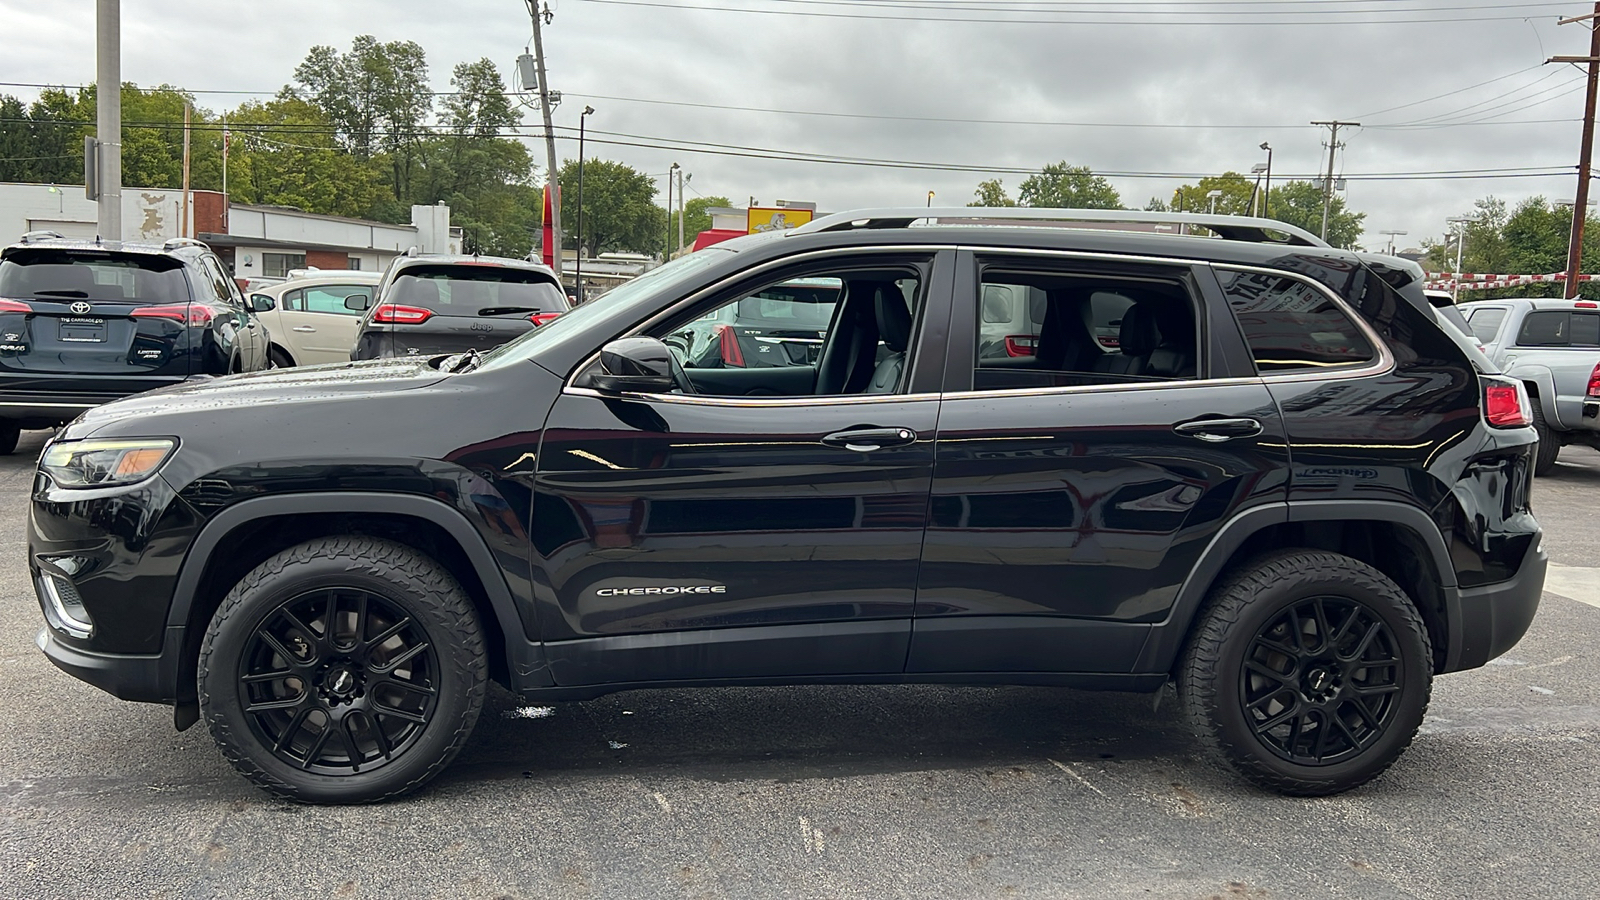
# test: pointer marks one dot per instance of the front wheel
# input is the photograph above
(10, 433)
(1308, 672)
(343, 670)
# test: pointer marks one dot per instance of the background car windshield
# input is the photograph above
(792, 305)
(62, 276)
(467, 290)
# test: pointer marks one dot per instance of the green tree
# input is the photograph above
(619, 210)
(1299, 203)
(992, 193)
(1060, 186)
(1235, 199)
(695, 217)
(376, 95)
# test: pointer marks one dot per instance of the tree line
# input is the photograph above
(1063, 186)
(358, 133)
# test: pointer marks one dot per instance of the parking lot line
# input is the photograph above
(1580, 583)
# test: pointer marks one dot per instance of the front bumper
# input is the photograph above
(128, 676)
(1494, 617)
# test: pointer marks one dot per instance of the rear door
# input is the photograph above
(454, 307)
(93, 321)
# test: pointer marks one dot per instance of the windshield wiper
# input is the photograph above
(462, 362)
(506, 310)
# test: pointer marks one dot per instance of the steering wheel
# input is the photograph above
(680, 378)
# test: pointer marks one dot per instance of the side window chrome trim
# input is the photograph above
(1099, 388)
(800, 400)
(1381, 363)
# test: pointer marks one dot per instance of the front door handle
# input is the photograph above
(1218, 430)
(304, 328)
(865, 440)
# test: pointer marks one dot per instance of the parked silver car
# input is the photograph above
(1553, 347)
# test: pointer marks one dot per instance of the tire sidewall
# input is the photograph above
(1415, 675)
(221, 696)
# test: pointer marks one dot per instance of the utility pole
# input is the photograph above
(184, 229)
(1392, 235)
(540, 18)
(1327, 184)
(680, 209)
(666, 248)
(1580, 206)
(108, 116)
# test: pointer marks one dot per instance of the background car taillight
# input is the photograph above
(1594, 383)
(1022, 344)
(728, 345)
(187, 313)
(543, 318)
(1505, 404)
(394, 314)
(14, 306)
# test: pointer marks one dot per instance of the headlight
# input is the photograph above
(89, 464)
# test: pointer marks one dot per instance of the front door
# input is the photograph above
(1085, 458)
(321, 326)
(769, 524)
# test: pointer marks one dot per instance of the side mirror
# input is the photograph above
(357, 302)
(638, 365)
(261, 303)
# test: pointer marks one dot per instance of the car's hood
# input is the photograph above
(272, 388)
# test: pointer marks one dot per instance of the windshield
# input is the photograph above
(469, 290)
(796, 304)
(660, 279)
(48, 274)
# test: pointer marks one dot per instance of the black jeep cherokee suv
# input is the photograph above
(1285, 487)
(84, 322)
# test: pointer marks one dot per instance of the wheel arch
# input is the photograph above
(1398, 540)
(280, 348)
(242, 536)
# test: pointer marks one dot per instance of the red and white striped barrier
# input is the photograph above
(1471, 281)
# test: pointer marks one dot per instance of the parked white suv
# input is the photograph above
(313, 319)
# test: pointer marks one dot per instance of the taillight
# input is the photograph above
(1594, 383)
(393, 314)
(728, 344)
(1022, 344)
(1585, 304)
(1504, 406)
(14, 306)
(187, 313)
(543, 318)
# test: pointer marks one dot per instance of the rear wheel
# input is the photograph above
(10, 432)
(1309, 672)
(344, 670)
(1549, 444)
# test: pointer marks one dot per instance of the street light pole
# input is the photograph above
(1461, 241)
(1266, 192)
(578, 274)
(1212, 196)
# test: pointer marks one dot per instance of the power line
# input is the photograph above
(1451, 93)
(1292, 7)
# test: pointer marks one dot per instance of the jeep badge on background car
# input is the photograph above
(1282, 484)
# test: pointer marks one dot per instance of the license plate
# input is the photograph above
(83, 331)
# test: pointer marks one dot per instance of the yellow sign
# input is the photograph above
(776, 218)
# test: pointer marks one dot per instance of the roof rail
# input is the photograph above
(175, 243)
(1233, 228)
(42, 235)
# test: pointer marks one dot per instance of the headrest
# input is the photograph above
(1139, 334)
(1175, 322)
(894, 317)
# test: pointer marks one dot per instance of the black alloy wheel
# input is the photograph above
(1320, 681)
(338, 681)
(1307, 671)
(347, 669)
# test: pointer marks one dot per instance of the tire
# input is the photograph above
(278, 358)
(368, 712)
(1544, 458)
(10, 433)
(1321, 743)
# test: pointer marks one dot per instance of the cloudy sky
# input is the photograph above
(1184, 87)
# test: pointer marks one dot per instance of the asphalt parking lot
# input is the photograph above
(828, 791)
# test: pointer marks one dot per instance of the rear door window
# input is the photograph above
(484, 290)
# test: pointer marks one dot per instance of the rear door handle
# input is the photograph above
(1218, 430)
(865, 440)
(305, 328)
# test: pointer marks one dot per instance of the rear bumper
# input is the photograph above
(58, 407)
(1494, 617)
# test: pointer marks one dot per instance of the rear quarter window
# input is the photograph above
(1559, 328)
(1291, 325)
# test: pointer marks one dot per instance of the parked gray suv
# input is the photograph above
(1553, 347)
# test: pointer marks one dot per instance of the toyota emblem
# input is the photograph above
(81, 308)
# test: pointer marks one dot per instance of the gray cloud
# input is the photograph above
(1149, 73)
